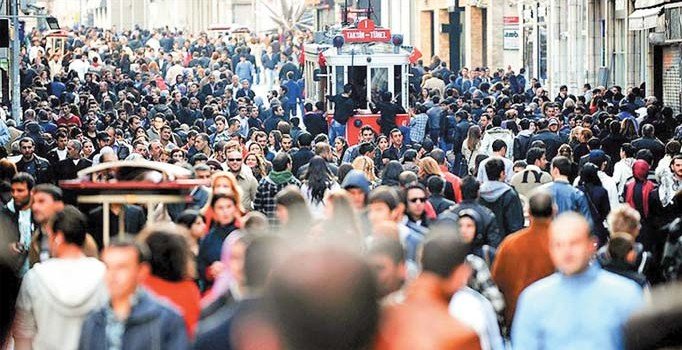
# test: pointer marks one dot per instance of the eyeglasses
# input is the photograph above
(418, 199)
(234, 159)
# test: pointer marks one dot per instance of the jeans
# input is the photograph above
(337, 129)
(269, 78)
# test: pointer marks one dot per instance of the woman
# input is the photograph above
(222, 182)
(169, 277)
(229, 284)
(340, 147)
(581, 148)
(366, 166)
(88, 150)
(566, 151)
(195, 224)
(382, 146)
(597, 198)
(254, 147)
(471, 147)
(318, 181)
(391, 173)
(428, 167)
(257, 165)
(140, 132)
(225, 214)
(640, 194)
(274, 142)
(628, 129)
(341, 225)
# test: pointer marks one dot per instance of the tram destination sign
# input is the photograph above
(366, 31)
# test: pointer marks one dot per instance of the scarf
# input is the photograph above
(640, 170)
(280, 177)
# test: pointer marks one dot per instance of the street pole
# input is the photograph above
(16, 87)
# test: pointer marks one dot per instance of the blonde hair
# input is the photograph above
(366, 165)
(234, 190)
(624, 218)
(429, 166)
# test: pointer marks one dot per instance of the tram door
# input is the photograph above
(357, 76)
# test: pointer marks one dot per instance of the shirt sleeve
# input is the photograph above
(525, 334)
(25, 323)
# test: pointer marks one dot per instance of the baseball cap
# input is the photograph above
(553, 121)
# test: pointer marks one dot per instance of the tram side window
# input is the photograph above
(398, 84)
(357, 76)
(379, 83)
(338, 79)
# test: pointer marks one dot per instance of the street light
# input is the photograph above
(52, 23)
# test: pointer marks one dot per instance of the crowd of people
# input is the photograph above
(500, 217)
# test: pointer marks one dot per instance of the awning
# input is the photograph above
(644, 18)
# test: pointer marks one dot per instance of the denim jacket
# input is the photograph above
(568, 198)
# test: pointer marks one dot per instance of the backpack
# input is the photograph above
(521, 144)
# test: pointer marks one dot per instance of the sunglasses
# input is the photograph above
(234, 159)
(418, 199)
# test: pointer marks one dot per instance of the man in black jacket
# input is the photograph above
(388, 111)
(30, 163)
(501, 198)
(650, 142)
(314, 120)
(58, 153)
(552, 140)
(304, 154)
(68, 168)
(436, 187)
(487, 231)
(344, 108)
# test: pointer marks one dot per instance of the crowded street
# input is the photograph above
(333, 175)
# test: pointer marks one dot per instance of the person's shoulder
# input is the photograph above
(624, 286)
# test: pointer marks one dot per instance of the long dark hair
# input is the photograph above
(589, 178)
(391, 172)
(319, 178)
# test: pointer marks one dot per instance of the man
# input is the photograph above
(38, 167)
(651, 142)
(245, 179)
(523, 257)
(551, 140)
(487, 230)
(277, 116)
(291, 95)
(315, 120)
(532, 176)
(133, 215)
(499, 148)
(439, 156)
(268, 187)
(566, 197)
(387, 258)
(16, 221)
(324, 150)
(501, 198)
(579, 307)
(304, 153)
(498, 133)
(133, 318)
(436, 187)
(388, 112)
(344, 108)
(245, 90)
(367, 134)
(423, 320)
(671, 182)
(68, 168)
(58, 153)
(398, 148)
(57, 295)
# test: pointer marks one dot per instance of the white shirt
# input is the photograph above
(609, 185)
(474, 310)
(81, 67)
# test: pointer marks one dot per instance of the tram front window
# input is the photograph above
(379, 83)
(357, 76)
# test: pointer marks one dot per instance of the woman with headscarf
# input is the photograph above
(640, 193)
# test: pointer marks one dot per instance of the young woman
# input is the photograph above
(340, 147)
(471, 147)
(225, 215)
(292, 211)
(597, 198)
(195, 224)
(257, 164)
(366, 165)
(318, 181)
(222, 182)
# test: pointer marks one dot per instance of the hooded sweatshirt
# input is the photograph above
(55, 298)
(502, 200)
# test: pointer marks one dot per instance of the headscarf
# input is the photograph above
(224, 281)
(640, 171)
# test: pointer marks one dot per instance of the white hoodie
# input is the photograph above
(55, 298)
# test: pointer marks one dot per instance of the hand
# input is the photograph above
(215, 269)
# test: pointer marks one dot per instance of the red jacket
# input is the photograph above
(184, 295)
